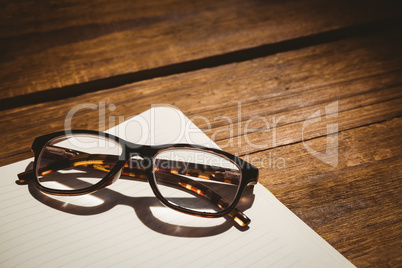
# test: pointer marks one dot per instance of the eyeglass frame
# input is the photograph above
(249, 172)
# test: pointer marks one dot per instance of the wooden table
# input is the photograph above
(276, 82)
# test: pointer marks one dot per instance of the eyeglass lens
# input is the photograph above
(202, 181)
(76, 161)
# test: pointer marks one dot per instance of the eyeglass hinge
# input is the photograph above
(24, 177)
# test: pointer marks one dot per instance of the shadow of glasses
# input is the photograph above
(107, 198)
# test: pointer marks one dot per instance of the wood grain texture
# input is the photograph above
(255, 108)
(47, 45)
(286, 84)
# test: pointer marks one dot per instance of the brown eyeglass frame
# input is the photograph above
(249, 173)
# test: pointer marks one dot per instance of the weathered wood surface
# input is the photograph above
(256, 108)
(47, 46)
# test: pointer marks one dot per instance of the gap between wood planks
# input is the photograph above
(307, 139)
(317, 137)
(208, 62)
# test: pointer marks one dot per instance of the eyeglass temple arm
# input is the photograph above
(78, 158)
(202, 171)
(100, 161)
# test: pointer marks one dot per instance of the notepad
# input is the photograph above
(124, 225)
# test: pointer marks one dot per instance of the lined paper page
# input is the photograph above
(124, 225)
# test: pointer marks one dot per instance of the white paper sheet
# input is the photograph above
(124, 225)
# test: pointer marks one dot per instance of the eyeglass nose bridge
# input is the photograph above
(136, 166)
(137, 161)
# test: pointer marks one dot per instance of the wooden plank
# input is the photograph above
(53, 45)
(289, 132)
(267, 119)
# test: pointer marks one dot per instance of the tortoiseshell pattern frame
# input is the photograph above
(248, 171)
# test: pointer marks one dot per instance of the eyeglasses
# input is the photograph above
(188, 178)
